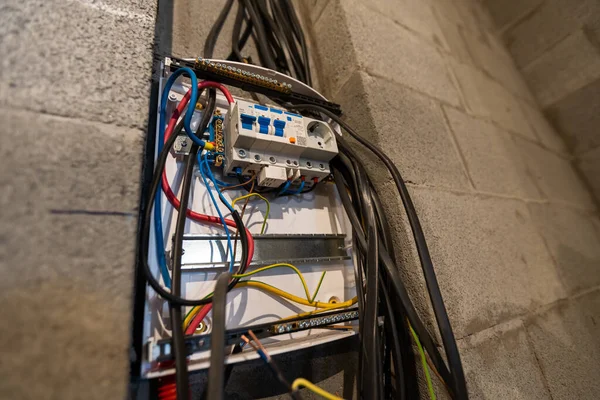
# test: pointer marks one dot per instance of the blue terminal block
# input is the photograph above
(247, 121)
(279, 125)
(264, 123)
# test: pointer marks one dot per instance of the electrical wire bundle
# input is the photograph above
(380, 289)
(388, 321)
(173, 296)
(387, 341)
(276, 31)
(180, 120)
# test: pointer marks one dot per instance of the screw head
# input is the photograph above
(257, 157)
(242, 153)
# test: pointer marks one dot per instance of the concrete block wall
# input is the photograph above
(512, 228)
(74, 94)
(556, 46)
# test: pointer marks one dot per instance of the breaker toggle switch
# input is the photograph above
(247, 121)
(279, 125)
(263, 125)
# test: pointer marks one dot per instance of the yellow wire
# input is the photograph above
(335, 306)
(301, 382)
(322, 307)
(278, 265)
(190, 316)
(310, 300)
(264, 224)
(294, 298)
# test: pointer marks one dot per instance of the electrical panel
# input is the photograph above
(277, 144)
(275, 149)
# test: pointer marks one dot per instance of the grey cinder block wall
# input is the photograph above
(512, 227)
(513, 230)
(74, 97)
(556, 46)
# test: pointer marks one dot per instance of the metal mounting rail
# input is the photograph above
(202, 252)
(254, 78)
(161, 350)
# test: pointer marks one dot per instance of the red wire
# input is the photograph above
(197, 319)
(190, 213)
(165, 182)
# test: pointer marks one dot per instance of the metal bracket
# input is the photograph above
(161, 350)
(210, 251)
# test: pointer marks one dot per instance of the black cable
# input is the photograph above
(435, 295)
(216, 372)
(236, 53)
(179, 350)
(264, 52)
(370, 333)
(395, 341)
(346, 176)
(213, 35)
(147, 222)
(273, 35)
(276, 30)
(295, 23)
(371, 323)
(286, 39)
(392, 275)
(410, 388)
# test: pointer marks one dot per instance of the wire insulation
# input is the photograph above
(301, 382)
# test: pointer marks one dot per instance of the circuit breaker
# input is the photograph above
(277, 145)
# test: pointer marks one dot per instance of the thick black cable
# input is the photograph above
(274, 36)
(407, 356)
(147, 222)
(357, 261)
(420, 328)
(350, 177)
(179, 350)
(395, 341)
(264, 52)
(286, 39)
(213, 35)
(216, 372)
(372, 388)
(236, 53)
(392, 271)
(295, 23)
(369, 343)
(393, 276)
(347, 177)
(435, 295)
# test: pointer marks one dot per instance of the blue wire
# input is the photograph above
(214, 181)
(263, 356)
(220, 183)
(298, 191)
(214, 201)
(300, 188)
(158, 227)
(285, 187)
